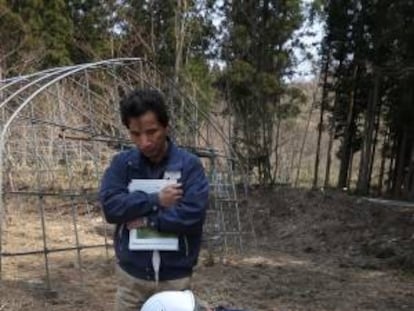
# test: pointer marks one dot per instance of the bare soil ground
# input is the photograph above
(315, 251)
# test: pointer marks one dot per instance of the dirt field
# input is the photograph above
(315, 251)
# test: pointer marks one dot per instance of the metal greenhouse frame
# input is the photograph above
(59, 128)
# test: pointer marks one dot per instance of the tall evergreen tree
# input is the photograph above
(175, 36)
(257, 58)
(371, 58)
(56, 30)
(12, 37)
(94, 23)
(169, 33)
(48, 31)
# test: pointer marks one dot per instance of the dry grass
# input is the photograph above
(312, 255)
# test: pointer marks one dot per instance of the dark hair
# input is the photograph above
(138, 102)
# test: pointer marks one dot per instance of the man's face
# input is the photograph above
(149, 135)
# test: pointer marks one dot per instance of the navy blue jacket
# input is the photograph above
(184, 219)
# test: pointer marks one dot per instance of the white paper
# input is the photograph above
(149, 185)
(153, 240)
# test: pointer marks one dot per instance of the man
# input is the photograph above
(177, 209)
(178, 301)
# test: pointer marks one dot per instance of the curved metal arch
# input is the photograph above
(10, 81)
(63, 74)
(26, 86)
(69, 70)
(47, 78)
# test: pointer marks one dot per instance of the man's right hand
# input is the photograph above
(170, 195)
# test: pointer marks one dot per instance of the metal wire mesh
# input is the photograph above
(59, 129)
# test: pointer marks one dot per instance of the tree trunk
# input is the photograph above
(277, 147)
(180, 33)
(410, 171)
(390, 175)
(329, 157)
(330, 143)
(153, 34)
(302, 148)
(268, 147)
(400, 165)
(348, 136)
(382, 165)
(408, 165)
(324, 100)
(410, 184)
(350, 167)
(367, 146)
(1, 78)
(375, 143)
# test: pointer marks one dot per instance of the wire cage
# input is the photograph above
(59, 129)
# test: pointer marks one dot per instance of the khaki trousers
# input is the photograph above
(132, 292)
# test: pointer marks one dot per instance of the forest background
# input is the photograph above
(242, 61)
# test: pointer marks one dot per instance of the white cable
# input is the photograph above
(156, 262)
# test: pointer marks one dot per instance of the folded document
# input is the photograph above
(145, 238)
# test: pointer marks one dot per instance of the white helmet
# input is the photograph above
(170, 301)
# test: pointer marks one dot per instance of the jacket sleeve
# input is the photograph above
(119, 205)
(188, 215)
